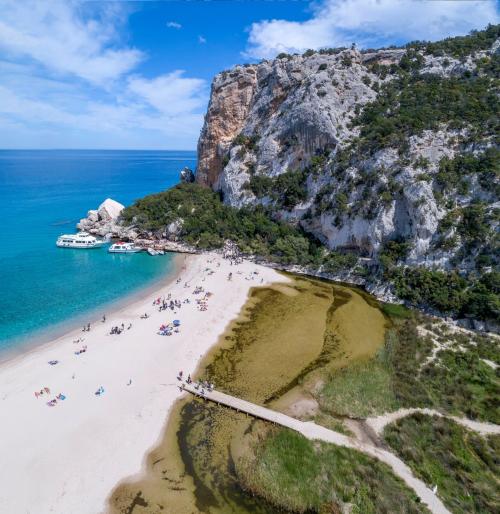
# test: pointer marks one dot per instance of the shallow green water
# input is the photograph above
(284, 336)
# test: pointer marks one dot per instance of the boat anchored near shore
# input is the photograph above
(122, 247)
(81, 240)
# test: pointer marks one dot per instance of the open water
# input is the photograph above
(45, 289)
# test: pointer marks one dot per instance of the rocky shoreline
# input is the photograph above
(105, 222)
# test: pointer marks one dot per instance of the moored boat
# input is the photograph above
(152, 251)
(122, 247)
(81, 240)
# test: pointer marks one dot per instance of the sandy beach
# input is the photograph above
(67, 458)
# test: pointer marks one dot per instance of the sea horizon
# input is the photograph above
(47, 291)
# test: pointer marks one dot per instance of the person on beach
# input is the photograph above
(104, 318)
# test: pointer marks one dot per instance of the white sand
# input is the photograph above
(67, 459)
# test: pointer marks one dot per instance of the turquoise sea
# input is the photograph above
(45, 289)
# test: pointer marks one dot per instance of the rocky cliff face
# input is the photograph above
(306, 137)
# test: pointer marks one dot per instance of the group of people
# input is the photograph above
(50, 403)
(83, 349)
(200, 385)
(117, 330)
(173, 304)
(53, 402)
(86, 328)
(166, 330)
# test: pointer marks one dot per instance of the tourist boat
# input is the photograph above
(122, 247)
(80, 240)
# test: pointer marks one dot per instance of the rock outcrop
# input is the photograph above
(104, 220)
(298, 116)
(232, 95)
(186, 175)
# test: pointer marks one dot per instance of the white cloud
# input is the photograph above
(58, 36)
(369, 23)
(171, 94)
(202, 40)
(174, 25)
(66, 81)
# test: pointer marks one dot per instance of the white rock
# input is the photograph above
(109, 209)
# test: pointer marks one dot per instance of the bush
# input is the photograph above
(449, 293)
(422, 287)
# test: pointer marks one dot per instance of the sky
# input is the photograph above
(136, 75)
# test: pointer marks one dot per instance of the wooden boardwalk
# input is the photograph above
(316, 432)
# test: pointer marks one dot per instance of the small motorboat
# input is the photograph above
(152, 251)
(122, 247)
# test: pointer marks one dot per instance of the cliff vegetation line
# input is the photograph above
(379, 166)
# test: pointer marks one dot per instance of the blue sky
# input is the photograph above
(136, 75)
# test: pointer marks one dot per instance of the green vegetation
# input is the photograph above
(394, 251)
(286, 190)
(462, 464)
(296, 474)
(360, 390)
(248, 142)
(412, 103)
(460, 46)
(207, 223)
(423, 287)
(452, 172)
(404, 374)
(449, 293)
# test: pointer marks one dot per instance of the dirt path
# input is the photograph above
(317, 432)
(378, 423)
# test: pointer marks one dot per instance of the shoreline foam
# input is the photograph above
(69, 457)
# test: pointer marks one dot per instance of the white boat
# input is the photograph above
(152, 251)
(80, 240)
(122, 247)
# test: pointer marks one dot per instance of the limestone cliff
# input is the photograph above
(365, 148)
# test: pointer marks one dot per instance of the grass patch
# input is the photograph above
(457, 380)
(360, 390)
(331, 422)
(460, 382)
(299, 475)
(464, 465)
(395, 310)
